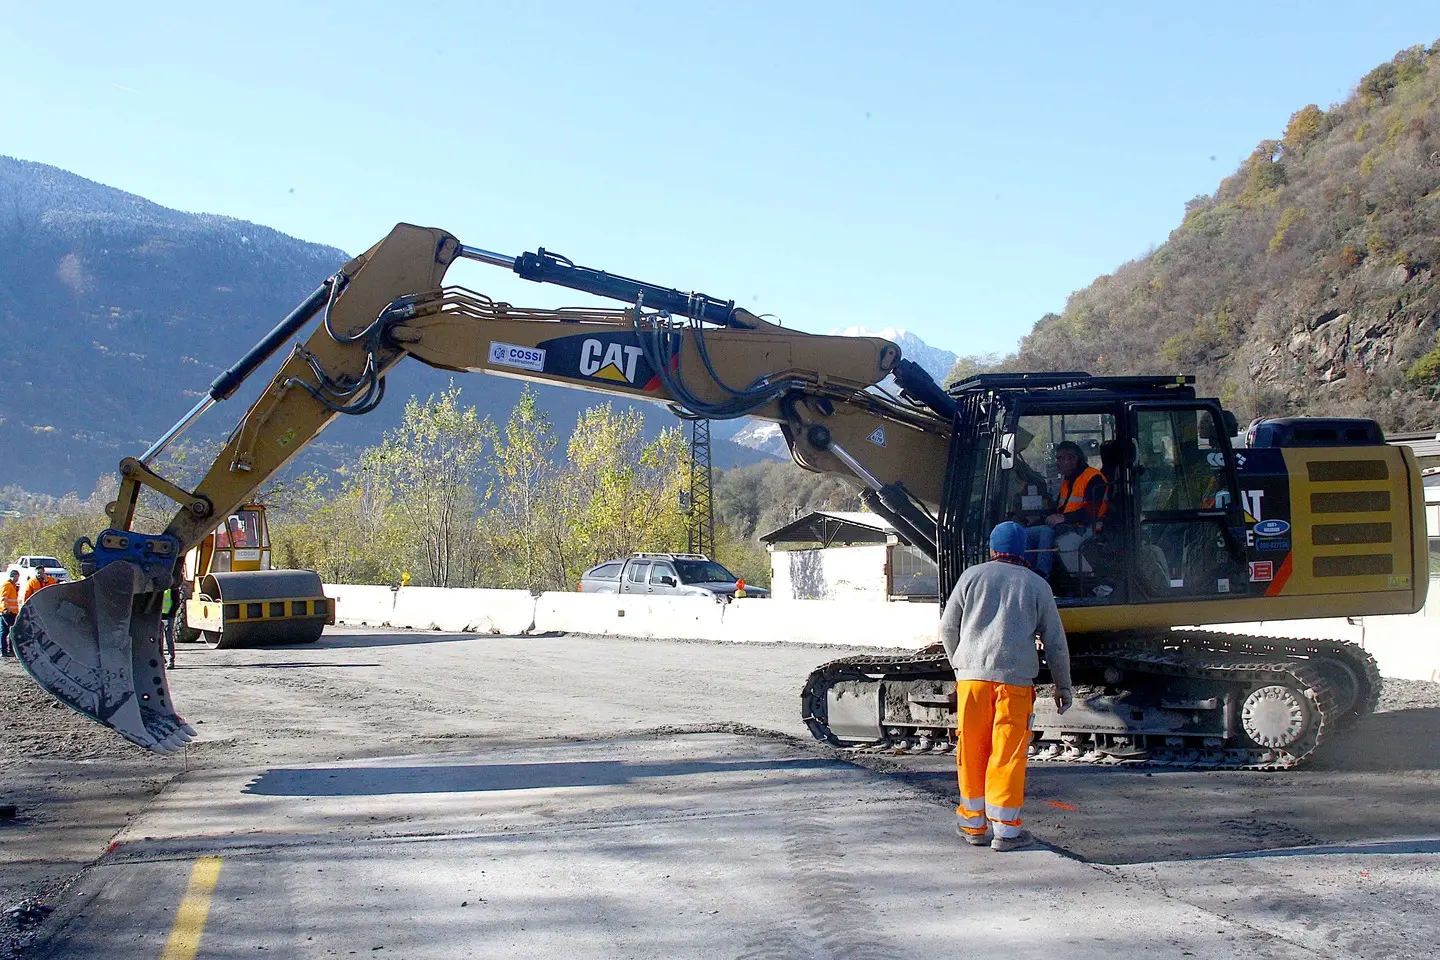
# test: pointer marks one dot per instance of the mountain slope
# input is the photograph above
(116, 314)
(1307, 283)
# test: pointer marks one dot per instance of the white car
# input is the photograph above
(28, 565)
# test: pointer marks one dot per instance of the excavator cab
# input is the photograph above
(1169, 526)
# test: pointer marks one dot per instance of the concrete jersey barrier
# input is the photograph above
(516, 612)
(1406, 647)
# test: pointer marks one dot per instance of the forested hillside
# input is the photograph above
(1308, 282)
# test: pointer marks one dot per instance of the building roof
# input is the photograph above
(830, 528)
(1425, 444)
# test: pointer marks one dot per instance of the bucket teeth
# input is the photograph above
(86, 645)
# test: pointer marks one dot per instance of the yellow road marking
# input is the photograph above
(194, 908)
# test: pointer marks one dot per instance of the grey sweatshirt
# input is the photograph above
(991, 621)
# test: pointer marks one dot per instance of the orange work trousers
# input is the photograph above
(994, 736)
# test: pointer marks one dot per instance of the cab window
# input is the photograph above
(245, 527)
(1180, 465)
(1035, 478)
(608, 571)
(1185, 548)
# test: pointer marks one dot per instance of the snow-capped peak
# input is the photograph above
(937, 362)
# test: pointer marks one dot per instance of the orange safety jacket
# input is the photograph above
(39, 583)
(1072, 495)
(9, 597)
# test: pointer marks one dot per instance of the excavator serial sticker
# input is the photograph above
(511, 355)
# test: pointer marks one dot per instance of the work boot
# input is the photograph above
(974, 839)
(1020, 841)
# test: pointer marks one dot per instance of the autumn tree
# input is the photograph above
(622, 494)
(1305, 125)
(523, 522)
(429, 467)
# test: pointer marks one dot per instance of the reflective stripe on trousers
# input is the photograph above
(994, 734)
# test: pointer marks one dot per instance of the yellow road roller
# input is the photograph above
(234, 599)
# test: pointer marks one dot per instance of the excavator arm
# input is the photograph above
(94, 644)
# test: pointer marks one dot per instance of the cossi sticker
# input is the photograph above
(511, 355)
(1272, 528)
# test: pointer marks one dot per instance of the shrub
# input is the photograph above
(1288, 219)
(1426, 370)
(1375, 243)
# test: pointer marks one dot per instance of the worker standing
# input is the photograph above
(993, 616)
(9, 608)
(169, 611)
(39, 582)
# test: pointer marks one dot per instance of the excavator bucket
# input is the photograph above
(95, 645)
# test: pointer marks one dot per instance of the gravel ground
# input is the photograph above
(76, 785)
(1408, 695)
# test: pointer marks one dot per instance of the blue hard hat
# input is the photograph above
(1009, 538)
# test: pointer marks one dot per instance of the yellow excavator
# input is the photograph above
(1312, 518)
(234, 597)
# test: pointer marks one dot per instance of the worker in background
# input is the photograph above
(9, 609)
(991, 620)
(39, 582)
(1079, 507)
(169, 612)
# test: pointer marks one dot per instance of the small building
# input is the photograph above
(1425, 444)
(1426, 447)
(829, 555)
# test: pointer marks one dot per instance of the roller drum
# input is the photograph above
(260, 608)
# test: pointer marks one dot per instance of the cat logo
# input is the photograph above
(609, 361)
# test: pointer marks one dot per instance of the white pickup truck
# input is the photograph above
(28, 565)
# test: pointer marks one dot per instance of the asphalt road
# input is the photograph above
(280, 727)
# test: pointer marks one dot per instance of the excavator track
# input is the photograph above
(1277, 699)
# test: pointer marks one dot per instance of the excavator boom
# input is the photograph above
(95, 644)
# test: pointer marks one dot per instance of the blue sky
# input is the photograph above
(955, 169)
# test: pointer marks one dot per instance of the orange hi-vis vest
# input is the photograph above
(40, 582)
(9, 597)
(1072, 496)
